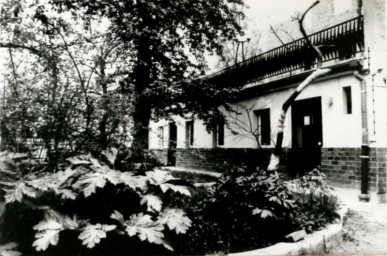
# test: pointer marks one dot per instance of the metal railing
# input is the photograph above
(341, 41)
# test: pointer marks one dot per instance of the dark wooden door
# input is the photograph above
(306, 136)
(172, 144)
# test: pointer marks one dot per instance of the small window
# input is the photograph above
(160, 135)
(263, 126)
(189, 133)
(347, 100)
(218, 135)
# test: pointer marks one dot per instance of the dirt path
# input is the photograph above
(364, 232)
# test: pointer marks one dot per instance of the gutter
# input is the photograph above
(365, 148)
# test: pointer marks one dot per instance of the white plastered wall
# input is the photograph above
(339, 129)
(202, 138)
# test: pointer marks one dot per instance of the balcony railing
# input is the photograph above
(341, 41)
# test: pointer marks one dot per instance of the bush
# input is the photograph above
(247, 208)
(90, 200)
(317, 205)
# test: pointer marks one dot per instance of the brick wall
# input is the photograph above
(343, 166)
(378, 160)
(161, 155)
(214, 158)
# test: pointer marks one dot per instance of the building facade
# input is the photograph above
(331, 120)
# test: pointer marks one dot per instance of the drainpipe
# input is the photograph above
(365, 148)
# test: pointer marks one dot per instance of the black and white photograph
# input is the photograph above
(193, 127)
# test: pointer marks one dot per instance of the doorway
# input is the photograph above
(305, 153)
(171, 155)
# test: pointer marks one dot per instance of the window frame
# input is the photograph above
(347, 100)
(264, 130)
(189, 133)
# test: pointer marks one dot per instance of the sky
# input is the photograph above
(260, 14)
(266, 12)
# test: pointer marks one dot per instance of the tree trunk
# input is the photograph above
(142, 104)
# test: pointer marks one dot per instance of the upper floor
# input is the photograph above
(337, 43)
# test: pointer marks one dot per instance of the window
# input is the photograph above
(160, 135)
(347, 99)
(218, 134)
(263, 126)
(189, 133)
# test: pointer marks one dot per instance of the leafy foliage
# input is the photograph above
(246, 208)
(317, 205)
(9, 250)
(84, 178)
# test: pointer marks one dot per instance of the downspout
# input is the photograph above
(365, 148)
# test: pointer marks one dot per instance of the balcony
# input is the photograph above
(340, 42)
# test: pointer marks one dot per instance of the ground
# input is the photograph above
(365, 229)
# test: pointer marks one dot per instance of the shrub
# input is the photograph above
(317, 205)
(246, 208)
(90, 200)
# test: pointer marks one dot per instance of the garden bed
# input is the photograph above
(244, 209)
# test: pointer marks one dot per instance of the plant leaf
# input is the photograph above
(45, 238)
(89, 182)
(48, 224)
(266, 213)
(9, 250)
(146, 229)
(134, 182)
(16, 193)
(175, 219)
(176, 188)
(118, 216)
(153, 202)
(92, 234)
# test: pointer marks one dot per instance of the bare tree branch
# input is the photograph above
(274, 161)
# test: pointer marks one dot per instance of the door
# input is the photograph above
(172, 144)
(306, 136)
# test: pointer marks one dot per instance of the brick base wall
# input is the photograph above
(214, 158)
(161, 155)
(343, 166)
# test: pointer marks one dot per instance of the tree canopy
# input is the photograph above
(87, 64)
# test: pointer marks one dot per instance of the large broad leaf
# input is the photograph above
(63, 176)
(9, 250)
(147, 230)
(175, 219)
(89, 182)
(92, 234)
(161, 178)
(48, 224)
(158, 177)
(48, 234)
(133, 181)
(66, 193)
(153, 202)
(17, 191)
(45, 238)
(176, 188)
